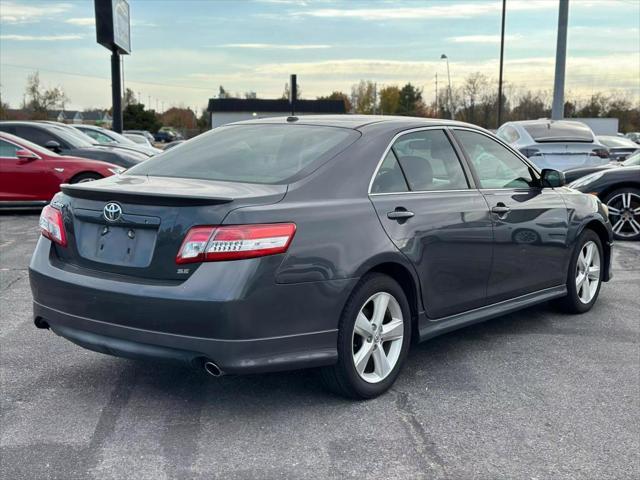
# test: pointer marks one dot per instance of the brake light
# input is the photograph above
(235, 242)
(52, 226)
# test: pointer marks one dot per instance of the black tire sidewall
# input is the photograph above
(82, 176)
(613, 194)
(572, 290)
(369, 286)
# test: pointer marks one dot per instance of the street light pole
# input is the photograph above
(504, 11)
(444, 57)
(557, 109)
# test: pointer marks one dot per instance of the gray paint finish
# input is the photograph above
(457, 255)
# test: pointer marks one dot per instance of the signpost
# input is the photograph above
(113, 31)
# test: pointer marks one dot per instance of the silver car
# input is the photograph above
(555, 144)
(109, 137)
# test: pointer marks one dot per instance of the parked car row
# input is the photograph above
(109, 137)
(30, 175)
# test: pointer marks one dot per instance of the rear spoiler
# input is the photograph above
(84, 190)
(563, 139)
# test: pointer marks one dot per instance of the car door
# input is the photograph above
(424, 198)
(21, 180)
(530, 223)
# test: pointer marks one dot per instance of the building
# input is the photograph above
(228, 110)
(89, 117)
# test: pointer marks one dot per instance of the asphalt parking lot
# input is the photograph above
(532, 395)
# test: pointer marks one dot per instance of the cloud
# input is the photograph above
(40, 38)
(482, 38)
(273, 46)
(83, 21)
(444, 10)
(584, 74)
(12, 12)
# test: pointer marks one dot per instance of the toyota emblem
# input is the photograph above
(112, 212)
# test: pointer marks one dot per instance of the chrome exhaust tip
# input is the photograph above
(212, 369)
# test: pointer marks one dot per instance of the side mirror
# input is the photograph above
(552, 178)
(26, 155)
(53, 146)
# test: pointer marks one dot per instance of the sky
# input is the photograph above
(183, 50)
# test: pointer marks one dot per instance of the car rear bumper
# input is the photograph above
(232, 356)
(266, 327)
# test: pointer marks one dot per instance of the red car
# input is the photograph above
(30, 175)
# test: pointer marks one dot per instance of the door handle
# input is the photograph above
(398, 214)
(501, 209)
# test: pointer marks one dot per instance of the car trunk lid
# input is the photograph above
(134, 225)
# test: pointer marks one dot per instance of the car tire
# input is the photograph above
(621, 204)
(85, 177)
(582, 289)
(380, 350)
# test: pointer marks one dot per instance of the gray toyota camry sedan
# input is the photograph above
(319, 241)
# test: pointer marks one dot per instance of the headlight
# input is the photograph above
(592, 177)
(117, 170)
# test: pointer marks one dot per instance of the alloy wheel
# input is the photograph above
(624, 212)
(377, 337)
(588, 272)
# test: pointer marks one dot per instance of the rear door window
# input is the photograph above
(253, 153)
(429, 162)
(389, 178)
(509, 134)
(35, 135)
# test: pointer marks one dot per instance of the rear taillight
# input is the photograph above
(600, 152)
(52, 226)
(235, 242)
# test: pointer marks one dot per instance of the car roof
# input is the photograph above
(543, 120)
(354, 121)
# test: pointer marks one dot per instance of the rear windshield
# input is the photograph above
(559, 132)
(257, 153)
(618, 142)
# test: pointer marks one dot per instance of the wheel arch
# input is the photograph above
(603, 233)
(84, 172)
(617, 186)
(408, 282)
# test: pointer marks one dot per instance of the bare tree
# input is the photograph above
(41, 99)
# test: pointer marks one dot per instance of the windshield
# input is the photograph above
(632, 161)
(253, 153)
(120, 138)
(550, 131)
(73, 137)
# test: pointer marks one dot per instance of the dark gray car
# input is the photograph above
(331, 241)
(66, 140)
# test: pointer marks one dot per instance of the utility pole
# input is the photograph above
(437, 109)
(504, 11)
(444, 57)
(375, 97)
(557, 109)
(116, 91)
(293, 93)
